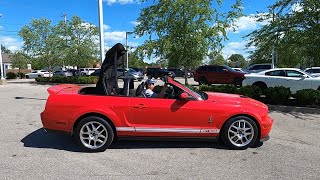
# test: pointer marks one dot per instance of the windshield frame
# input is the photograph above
(198, 96)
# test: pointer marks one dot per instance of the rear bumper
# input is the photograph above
(52, 125)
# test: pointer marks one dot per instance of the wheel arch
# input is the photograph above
(245, 115)
(96, 115)
(260, 82)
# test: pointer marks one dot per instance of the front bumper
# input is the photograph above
(265, 139)
(266, 127)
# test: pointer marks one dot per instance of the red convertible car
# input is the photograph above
(95, 120)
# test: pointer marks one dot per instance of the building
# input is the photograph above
(7, 64)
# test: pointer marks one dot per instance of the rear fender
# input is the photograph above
(103, 110)
(56, 89)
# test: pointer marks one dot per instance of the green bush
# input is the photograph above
(308, 97)
(11, 75)
(250, 91)
(69, 80)
(278, 94)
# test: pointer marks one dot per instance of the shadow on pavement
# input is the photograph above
(42, 139)
(149, 144)
(30, 98)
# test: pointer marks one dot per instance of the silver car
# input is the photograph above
(129, 72)
(63, 73)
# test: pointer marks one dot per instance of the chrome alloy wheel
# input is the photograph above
(240, 133)
(93, 135)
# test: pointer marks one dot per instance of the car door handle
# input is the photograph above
(139, 106)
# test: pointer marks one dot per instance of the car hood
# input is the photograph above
(235, 99)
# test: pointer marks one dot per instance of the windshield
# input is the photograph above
(311, 75)
(230, 69)
(199, 95)
(131, 70)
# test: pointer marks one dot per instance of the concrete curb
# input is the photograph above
(289, 109)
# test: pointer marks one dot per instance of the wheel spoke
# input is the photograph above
(88, 129)
(93, 128)
(232, 131)
(99, 126)
(102, 136)
(82, 132)
(100, 141)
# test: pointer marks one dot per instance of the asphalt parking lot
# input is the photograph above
(27, 152)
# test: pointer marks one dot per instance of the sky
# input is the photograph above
(119, 16)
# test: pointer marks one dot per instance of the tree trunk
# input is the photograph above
(186, 76)
(19, 74)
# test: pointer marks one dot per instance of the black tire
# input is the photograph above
(237, 82)
(236, 139)
(92, 143)
(203, 80)
(39, 75)
(319, 88)
(260, 85)
(27, 77)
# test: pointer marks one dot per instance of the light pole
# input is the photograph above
(2, 80)
(127, 33)
(101, 31)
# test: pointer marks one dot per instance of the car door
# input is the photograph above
(295, 80)
(166, 117)
(275, 78)
(212, 74)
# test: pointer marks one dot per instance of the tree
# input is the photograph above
(237, 60)
(78, 39)
(294, 31)
(136, 60)
(216, 59)
(20, 60)
(5, 50)
(41, 42)
(183, 32)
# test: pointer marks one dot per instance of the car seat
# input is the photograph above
(139, 91)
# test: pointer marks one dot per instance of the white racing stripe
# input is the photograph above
(167, 130)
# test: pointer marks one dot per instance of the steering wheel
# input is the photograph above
(169, 92)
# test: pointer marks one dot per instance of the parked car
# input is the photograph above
(240, 70)
(139, 70)
(96, 120)
(97, 72)
(87, 71)
(179, 72)
(216, 74)
(63, 73)
(75, 72)
(38, 73)
(315, 71)
(158, 72)
(121, 72)
(255, 68)
(295, 79)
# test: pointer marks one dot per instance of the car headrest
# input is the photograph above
(140, 89)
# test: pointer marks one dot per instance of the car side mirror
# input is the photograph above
(305, 76)
(184, 96)
(225, 70)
